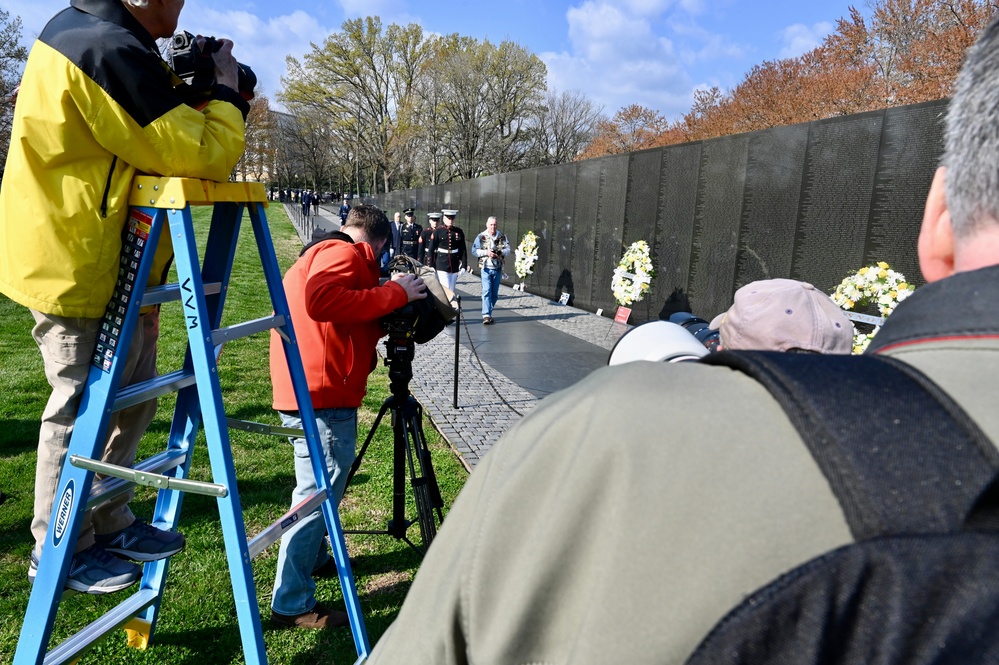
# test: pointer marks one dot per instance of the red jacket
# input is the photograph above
(335, 303)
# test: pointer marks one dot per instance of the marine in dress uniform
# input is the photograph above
(426, 255)
(448, 247)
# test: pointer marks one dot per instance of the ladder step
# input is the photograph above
(107, 489)
(246, 329)
(137, 393)
(262, 428)
(156, 295)
(149, 479)
(271, 534)
(92, 632)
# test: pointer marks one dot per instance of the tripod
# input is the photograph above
(409, 451)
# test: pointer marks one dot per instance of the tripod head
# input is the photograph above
(400, 349)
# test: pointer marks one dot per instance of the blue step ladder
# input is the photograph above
(157, 203)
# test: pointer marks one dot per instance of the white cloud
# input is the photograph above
(800, 38)
(636, 52)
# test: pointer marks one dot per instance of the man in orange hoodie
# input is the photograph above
(336, 303)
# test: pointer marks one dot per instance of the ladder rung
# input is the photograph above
(156, 295)
(92, 632)
(105, 490)
(262, 428)
(246, 329)
(137, 393)
(265, 538)
(149, 479)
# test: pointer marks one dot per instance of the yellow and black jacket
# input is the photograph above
(97, 104)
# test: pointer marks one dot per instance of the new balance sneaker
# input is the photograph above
(95, 571)
(141, 542)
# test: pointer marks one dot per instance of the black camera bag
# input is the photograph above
(917, 481)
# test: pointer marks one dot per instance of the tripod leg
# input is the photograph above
(371, 434)
(426, 463)
(421, 488)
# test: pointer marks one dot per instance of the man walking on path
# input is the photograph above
(448, 247)
(427, 257)
(491, 248)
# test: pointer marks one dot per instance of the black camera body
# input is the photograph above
(195, 66)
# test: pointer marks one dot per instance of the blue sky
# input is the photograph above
(617, 52)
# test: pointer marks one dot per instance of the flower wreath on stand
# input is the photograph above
(633, 275)
(877, 287)
(527, 255)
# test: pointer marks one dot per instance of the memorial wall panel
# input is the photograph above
(526, 220)
(720, 193)
(836, 198)
(541, 280)
(610, 229)
(563, 218)
(584, 229)
(508, 218)
(774, 170)
(911, 145)
(641, 211)
(812, 202)
(675, 225)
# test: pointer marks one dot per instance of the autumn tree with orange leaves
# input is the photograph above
(908, 51)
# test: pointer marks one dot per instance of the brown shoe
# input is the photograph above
(317, 617)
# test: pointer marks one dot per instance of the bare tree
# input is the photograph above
(565, 123)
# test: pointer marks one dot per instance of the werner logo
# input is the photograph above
(62, 515)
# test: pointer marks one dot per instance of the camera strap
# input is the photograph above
(899, 453)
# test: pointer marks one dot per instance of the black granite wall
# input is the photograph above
(813, 202)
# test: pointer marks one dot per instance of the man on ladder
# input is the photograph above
(63, 206)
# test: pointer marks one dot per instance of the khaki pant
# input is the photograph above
(67, 345)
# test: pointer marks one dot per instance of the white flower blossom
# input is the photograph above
(868, 288)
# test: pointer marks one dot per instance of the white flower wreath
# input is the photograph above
(633, 275)
(875, 286)
(527, 255)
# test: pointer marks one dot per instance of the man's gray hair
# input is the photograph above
(971, 152)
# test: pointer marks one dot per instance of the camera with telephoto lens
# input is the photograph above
(683, 337)
(699, 328)
(196, 67)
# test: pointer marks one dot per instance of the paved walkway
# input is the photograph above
(535, 347)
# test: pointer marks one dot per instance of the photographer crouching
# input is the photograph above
(336, 303)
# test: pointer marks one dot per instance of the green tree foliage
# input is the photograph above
(12, 57)
(409, 109)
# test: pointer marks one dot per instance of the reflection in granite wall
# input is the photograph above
(813, 201)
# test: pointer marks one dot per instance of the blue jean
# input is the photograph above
(303, 548)
(490, 289)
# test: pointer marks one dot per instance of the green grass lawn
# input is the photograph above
(197, 621)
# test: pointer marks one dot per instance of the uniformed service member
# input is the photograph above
(410, 236)
(448, 247)
(426, 256)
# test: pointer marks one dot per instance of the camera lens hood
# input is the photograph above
(656, 341)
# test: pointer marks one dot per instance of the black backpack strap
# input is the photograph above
(899, 453)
